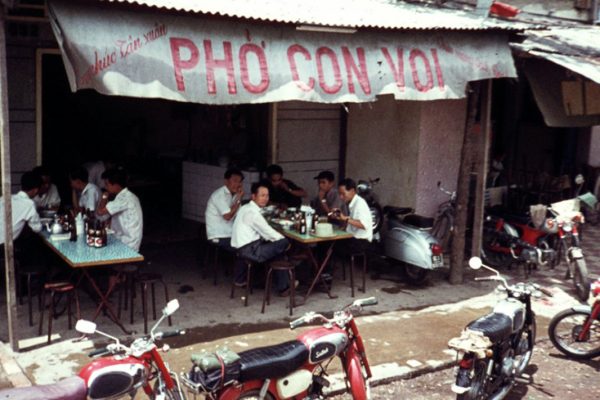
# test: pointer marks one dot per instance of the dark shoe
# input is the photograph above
(286, 292)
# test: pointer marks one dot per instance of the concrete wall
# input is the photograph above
(383, 142)
(594, 150)
(410, 145)
(440, 143)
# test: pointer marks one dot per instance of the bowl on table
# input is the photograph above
(285, 224)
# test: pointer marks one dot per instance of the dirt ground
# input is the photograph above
(552, 376)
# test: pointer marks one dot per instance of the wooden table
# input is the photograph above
(81, 257)
(305, 241)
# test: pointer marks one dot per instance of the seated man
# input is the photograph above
(359, 223)
(328, 198)
(23, 207)
(85, 195)
(222, 207)
(124, 209)
(47, 197)
(282, 192)
(256, 240)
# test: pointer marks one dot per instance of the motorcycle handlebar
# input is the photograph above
(98, 352)
(163, 335)
(370, 301)
(296, 323)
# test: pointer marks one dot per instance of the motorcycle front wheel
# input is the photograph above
(580, 278)
(565, 330)
(525, 357)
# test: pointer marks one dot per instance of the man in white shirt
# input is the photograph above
(222, 207)
(256, 240)
(126, 213)
(23, 207)
(47, 197)
(85, 195)
(360, 221)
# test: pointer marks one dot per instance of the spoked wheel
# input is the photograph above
(415, 275)
(525, 351)
(580, 278)
(254, 395)
(478, 383)
(565, 331)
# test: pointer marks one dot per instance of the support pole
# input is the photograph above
(11, 298)
(457, 256)
(481, 166)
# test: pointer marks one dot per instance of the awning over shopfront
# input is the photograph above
(564, 74)
(146, 52)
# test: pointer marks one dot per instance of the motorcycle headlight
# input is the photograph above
(567, 227)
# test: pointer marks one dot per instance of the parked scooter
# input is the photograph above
(119, 371)
(408, 240)
(292, 370)
(494, 350)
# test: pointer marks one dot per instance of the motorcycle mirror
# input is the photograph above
(475, 263)
(171, 307)
(87, 327)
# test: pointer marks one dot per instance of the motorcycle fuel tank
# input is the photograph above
(514, 309)
(110, 377)
(324, 343)
(410, 245)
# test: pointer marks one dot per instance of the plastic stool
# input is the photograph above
(146, 280)
(353, 256)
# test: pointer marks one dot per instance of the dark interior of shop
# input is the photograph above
(149, 137)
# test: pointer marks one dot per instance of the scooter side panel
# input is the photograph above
(410, 246)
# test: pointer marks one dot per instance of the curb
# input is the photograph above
(11, 368)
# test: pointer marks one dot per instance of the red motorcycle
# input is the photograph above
(120, 370)
(291, 370)
(576, 330)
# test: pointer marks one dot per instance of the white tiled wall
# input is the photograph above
(199, 181)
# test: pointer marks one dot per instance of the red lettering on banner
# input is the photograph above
(362, 75)
(414, 53)
(262, 64)
(179, 64)
(337, 76)
(226, 63)
(398, 72)
(438, 69)
(291, 51)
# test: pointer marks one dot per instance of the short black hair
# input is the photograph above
(30, 180)
(257, 185)
(348, 183)
(79, 173)
(41, 171)
(116, 175)
(274, 169)
(233, 171)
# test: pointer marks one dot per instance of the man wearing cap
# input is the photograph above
(328, 198)
(283, 192)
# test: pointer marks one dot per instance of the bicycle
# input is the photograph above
(443, 226)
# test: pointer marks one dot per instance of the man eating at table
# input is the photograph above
(359, 222)
(222, 207)
(85, 194)
(47, 197)
(124, 209)
(256, 240)
(23, 207)
(328, 198)
(283, 192)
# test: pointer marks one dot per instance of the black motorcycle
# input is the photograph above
(365, 190)
(495, 349)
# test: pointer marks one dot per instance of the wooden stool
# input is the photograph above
(30, 274)
(146, 280)
(280, 265)
(353, 256)
(55, 288)
(249, 265)
(125, 287)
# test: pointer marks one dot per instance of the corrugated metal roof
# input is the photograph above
(380, 14)
(573, 48)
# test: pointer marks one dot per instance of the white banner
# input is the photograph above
(193, 58)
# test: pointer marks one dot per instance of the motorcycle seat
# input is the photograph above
(418, 221)
(495, 326)
(392, 211)
(272, 361)
(72, 388)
